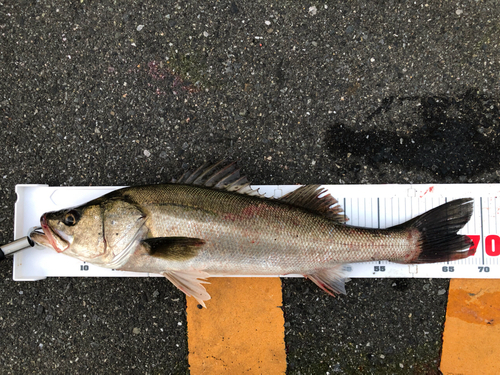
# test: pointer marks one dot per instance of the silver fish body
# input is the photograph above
(250, 235)
(213, 223)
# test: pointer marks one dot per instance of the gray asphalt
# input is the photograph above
(338, 92)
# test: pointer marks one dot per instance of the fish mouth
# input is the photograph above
(55, 240)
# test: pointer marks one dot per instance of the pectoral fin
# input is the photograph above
(173, 248)
(190, 282)
(331, 280)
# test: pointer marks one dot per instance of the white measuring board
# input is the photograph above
(373, 206)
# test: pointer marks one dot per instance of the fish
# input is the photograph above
(212, 222)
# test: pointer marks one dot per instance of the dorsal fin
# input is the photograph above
(220, 176)
(224, 176)
(313, 198)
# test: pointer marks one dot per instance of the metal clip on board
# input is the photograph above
(14, 247)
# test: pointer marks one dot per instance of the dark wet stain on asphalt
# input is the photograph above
(455, 138)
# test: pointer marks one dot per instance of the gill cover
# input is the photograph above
(123, 225)
(98, 231)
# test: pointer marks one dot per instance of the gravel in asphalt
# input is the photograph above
(127, 93)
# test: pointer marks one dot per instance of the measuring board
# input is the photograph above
(372, 206)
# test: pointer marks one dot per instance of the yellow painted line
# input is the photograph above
(471, 339)
(242, 329)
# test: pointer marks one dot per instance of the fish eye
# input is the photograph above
(71, 218)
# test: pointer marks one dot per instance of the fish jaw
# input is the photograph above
(40, 239)
(54, 239)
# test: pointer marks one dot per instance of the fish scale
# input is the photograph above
(248, 235)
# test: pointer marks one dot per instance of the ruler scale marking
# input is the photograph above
(481, 223)
(392, 204)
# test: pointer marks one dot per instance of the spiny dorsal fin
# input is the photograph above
(308, 197)
(220, 176)
(173, 248)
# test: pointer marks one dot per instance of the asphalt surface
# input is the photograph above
(134, 92)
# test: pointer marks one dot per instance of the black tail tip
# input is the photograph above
(452, 248)
(439, 241)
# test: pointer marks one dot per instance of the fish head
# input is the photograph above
(78, 231)
(96, 232)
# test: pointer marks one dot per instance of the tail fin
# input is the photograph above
(439, 241)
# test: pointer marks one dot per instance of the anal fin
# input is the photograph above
(190, 282)
(331, 280)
